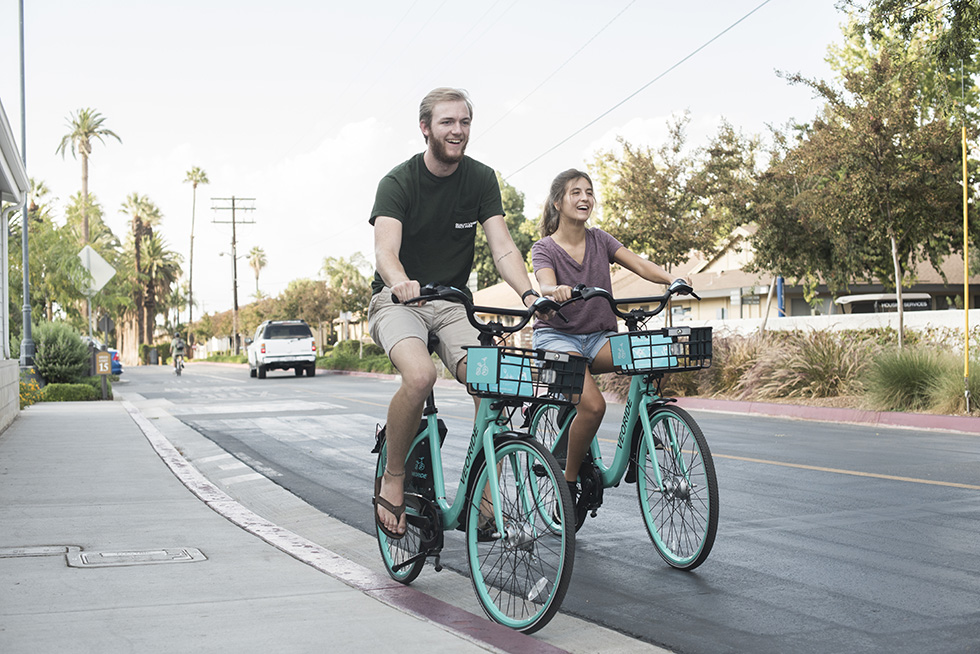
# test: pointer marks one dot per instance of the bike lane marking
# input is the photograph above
(854, 473)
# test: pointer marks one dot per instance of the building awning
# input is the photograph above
(13, 176)
(881, 297)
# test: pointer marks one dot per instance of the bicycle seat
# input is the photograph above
(433, 342)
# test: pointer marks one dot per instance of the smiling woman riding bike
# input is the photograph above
(568, 254)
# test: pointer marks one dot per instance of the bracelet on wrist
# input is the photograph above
(529, 291)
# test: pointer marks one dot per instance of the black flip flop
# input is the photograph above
(396, 511)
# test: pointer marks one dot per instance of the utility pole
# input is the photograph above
(236, 204)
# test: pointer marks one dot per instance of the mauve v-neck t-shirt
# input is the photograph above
(583, 317)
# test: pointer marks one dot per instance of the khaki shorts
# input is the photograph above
(390, 323)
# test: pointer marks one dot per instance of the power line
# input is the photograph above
(638, 91)
(555, 72)
(396, 107)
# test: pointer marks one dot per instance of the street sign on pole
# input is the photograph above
(98, 268)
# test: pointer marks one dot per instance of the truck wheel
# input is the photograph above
(261, 372)
(251, 372)
(311, 371)
(298, 371)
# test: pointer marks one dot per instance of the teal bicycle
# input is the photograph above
(660, 448)
(512, 500)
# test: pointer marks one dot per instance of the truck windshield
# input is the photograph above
(287, 331)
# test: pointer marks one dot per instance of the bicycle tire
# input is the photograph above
(394, 553)
(546, 427)
(681, 518)
(521, 577)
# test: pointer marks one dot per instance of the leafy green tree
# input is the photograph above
(307, 299)
(86, 124)
(791, 239)
(724, 178)
(648, 201)
(349, 283)
(195, 176)
(945, 85)
(955, 23)
(513, 202)
(881, 173)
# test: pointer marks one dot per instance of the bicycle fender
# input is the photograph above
(498, 439)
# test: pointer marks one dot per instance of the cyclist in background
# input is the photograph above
(177, 346)
(568, 254)
(425, 217)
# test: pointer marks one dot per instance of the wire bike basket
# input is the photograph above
(523, 374)
(671, 349)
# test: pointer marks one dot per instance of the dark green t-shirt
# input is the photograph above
(439, 217)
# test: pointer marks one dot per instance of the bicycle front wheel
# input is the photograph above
(680, 513)
(547, 426)
(521, 575)
(401, 557)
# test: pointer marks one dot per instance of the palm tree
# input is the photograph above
(256, 259)
(85, 125)
(195, 176)
(144, 215)
(162, 268)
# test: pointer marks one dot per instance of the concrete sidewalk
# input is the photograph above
(111, 542)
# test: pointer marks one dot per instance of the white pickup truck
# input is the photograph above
(280, 345)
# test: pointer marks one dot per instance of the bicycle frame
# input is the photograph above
(642, 395)
(486, 428)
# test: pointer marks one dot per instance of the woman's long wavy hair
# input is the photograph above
(550, 216)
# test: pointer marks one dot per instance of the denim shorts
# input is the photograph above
(587, 345)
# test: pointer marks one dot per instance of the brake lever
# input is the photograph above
(546, 305)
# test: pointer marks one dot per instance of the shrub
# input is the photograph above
(731, 358)
(904, 380)
(61, 355)
(30, 392)
(807, 364)
(946, 392)
(69, 393)
(96, 382)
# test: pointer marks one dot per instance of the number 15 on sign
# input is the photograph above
(103, 363)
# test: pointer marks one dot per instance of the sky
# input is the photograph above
(304, 105)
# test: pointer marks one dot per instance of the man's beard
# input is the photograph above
(442, 156)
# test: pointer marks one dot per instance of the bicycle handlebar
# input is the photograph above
(431, 292)
(678, 287)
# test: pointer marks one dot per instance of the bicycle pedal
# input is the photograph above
(437, 563)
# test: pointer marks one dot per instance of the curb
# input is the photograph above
(476, 629)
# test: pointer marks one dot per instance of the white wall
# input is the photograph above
(914, 320)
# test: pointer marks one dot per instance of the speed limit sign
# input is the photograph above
(103, 363)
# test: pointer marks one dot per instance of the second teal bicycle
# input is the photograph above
(660, 447)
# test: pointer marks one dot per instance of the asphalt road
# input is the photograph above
(832, 538)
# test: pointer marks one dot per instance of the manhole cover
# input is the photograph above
(135, 557)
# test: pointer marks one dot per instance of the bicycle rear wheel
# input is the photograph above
(396, 554)
(681, 516)
(521, 575)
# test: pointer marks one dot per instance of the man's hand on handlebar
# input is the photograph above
(407, 290)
